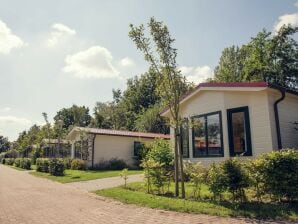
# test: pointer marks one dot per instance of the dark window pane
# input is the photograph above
(199, 132)
(239, 134)
(137, 149)
(214, 134)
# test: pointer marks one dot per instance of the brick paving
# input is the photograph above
(25, 199)
(92, 185)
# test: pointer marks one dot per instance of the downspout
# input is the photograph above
(279, 143)
(92, 158)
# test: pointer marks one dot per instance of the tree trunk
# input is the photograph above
(176, 167)
(180, 156)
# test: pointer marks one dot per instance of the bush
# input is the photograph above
(25, 163)
(112, 164)
(17, 162)
(216, 180)
(197, 174)
(78, 164)
(67, 163)
(236, 179)
(56, 167)
(280, 174)
(12, 154)
(3, 161)
(35, 154)
(9, 161)
(158, 165)
(42, 165)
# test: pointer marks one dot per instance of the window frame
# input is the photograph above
(245, 110)
(134, 147)
(206, 135)
(181, 138)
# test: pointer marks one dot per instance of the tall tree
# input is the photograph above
(74, 116)
(267, 57)
(171, 84)
(4, 144)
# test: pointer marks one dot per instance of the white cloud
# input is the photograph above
(127, 62)
(14, 120)
(286, 19)
(6, 109)
(8, 40)
(196, 74)
(59, 32)
(95, 62)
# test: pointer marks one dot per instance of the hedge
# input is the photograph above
(42, 165)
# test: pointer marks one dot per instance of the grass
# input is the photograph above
(82, 175)
(135, 193)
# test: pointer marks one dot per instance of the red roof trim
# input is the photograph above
(222, 85)
(98, 131)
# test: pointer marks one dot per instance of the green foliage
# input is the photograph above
(4, 144)
(124, 176)
(198, 175)
(74, 116)
(67, 162)
(78, 164)
(35, 154)
(17, 162)
(9, 161)
(56, 167)
(158, 164)
(112, 164)
(160, 151)
(267, 57)
(236, 179)
(280, 174)
(11, 154)
(25, 163)
(42, 165)
(216, 180)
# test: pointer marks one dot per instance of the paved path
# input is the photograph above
(25, 199)
(92, 185)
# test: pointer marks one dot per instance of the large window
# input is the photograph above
(137, 149)
(207, 135)
(184, 140)
(239, 131)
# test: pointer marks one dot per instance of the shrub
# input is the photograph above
(197, 175)
(12, 154)
(9, 161)
(280, 174)
(35, 154)
(124, 176)
(216, 180)
(236, 178)
(17, 162)
(42, 165)
(25, 163)
(67, 163)
(112, 164)
(56, 167)
(158, 165)
(3, 161)
(78, 164)
(117, 164)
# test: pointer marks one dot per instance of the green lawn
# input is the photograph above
(135, 193)
(79, 175)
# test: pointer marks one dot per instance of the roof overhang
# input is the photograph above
(232, 86)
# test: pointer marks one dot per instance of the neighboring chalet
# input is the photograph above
(105, 144)
(223, 120)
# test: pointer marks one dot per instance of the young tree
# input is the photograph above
(171, 84)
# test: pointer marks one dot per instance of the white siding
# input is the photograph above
(211, 101)
(107, 147)
(288, 114)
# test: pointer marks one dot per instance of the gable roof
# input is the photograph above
(233, 86)
(98, 131)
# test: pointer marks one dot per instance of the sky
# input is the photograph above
(55, 53)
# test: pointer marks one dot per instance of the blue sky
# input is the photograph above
(57, 53)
